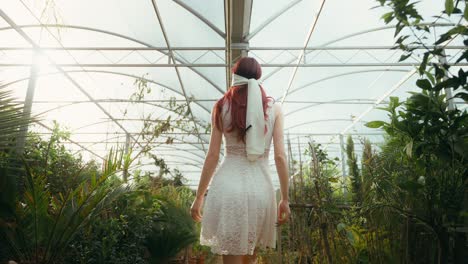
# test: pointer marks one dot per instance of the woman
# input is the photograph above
(240, 210)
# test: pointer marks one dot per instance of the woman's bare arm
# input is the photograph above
(280, 155)
(212, 157)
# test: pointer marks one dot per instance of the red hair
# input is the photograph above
(236, 98)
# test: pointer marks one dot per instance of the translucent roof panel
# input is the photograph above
(328, 65)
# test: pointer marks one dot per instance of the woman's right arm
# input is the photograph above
(281, 165)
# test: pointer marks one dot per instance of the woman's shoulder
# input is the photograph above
(271, 102)
(276, 106)
(219, 104)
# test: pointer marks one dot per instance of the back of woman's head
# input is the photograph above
(247, 67)
(236, 98)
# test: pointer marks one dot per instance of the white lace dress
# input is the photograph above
(239, 211)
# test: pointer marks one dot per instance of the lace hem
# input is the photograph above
(217, 249)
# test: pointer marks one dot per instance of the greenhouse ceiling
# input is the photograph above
(106, 69)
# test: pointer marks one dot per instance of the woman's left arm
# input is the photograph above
(211, 161)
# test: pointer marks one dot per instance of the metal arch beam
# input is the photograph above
(184, 150)
(271, 19)
(170, 163)
(77, 85)
(151, 102)
(317, 121)
(187, 133)
(178, 157)
(81, 28)
(26, 37)
(212, 65)
(311, 48)
(73, 142)
(341, 75)
(353, 35)
(83, 102)
(105, 121)
(169, 147)
(180, 133)
(77, 142)
(386, 94)
(303, 52)
(153, 48)
(108, 72)
(201, 17)
(227, 54)
(113, 73)
(241, 14)
(116, 35)
(382, 28)
(390, 91)
(194, 144)
(317, 104)
(171, 55)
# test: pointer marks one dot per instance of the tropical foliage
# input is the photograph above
(407, 201)
(73, 211)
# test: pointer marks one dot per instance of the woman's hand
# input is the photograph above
(284, 212)
(195, 209)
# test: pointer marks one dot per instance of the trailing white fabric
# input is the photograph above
(255, 120)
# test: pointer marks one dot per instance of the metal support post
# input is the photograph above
(128, 141)
(343, 164)
(21, 140)
(448, 91)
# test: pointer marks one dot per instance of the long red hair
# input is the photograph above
(236, 98)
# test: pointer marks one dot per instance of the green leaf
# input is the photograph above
(463, 56)
(449, 7)
(423, 65)
(374, 124)
(424, 84)
(351, 238)
(333, 179)
(430, 77)
(462, 95)
(465, 14)
(387, 17)
(340, 227)
(409, 148)
(462, 76)
(404, 57)
(399, 26)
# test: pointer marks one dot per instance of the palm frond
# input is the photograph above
(11, 119)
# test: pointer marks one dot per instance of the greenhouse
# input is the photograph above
(107, 113)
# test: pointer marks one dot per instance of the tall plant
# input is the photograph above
(354, 173)
(44, 224)
(11, 120)
(427, 141)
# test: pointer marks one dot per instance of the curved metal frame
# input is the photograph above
(318, 121)
(116, 35)
(341, 75)
(174, 58)
(109, 72)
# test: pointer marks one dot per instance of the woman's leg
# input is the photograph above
(250, 259)
(233, 259)
(253, 258)
(241, 259)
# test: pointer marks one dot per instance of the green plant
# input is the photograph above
(422, 174)
(172, 230)
(117, 235)
(44, 224)
(11, 120)
(354, 173)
